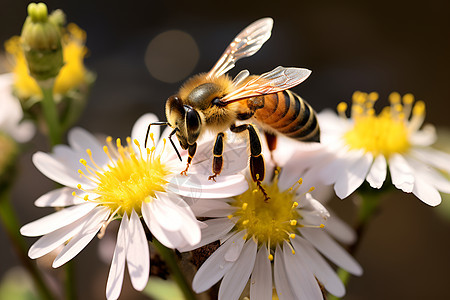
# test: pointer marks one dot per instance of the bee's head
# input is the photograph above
(185, 119)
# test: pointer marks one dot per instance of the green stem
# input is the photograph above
(370, 201)
(55, 134)
(10, 223)
(169, 258)
(50, 112)
(71, 293)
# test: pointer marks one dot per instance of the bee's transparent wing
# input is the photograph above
(245, 44)
(277, 80)
(240, 77)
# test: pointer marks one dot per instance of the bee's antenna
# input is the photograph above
(148, 130)
(173, 145)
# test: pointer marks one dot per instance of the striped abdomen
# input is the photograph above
(286, 113)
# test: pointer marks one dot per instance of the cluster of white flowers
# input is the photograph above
(275, 245)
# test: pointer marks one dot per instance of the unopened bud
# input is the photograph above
(41, 41)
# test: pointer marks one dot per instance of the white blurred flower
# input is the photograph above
(277, 240)
(11, 113)
(124, 182)
(362, 147)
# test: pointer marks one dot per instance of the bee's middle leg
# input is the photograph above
(191, 152)
(218, 158)
(257, 166)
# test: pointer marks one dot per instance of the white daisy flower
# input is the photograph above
(362, 147)
(262, 242)
(127, 183)
(294, 164)
(11, 113)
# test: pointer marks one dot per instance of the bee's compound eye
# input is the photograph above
(192, 121)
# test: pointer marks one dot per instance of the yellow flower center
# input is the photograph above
(386, 133)
(72, 75)
(269, 222)
(129, 178)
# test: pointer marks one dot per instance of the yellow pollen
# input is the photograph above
(127, 180)
(270, 257)
(322, 226)
(292, 235)
(269, 222)
(386, 133)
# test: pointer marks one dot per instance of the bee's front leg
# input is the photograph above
(218, 158)
(191, 152)
(257, 166)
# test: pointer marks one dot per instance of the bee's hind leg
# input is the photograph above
(218, 158)
(257, 167)
(191, 152)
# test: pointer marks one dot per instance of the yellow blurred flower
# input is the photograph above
(71, 76)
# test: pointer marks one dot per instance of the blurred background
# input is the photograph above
(142, 51)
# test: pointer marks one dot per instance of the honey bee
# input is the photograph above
(213, 101)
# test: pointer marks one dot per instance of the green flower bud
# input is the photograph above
(41, 41)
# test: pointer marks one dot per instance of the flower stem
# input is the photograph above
(169, 258)
(71, 293)
(9, 221)
(50, 112)
(369, 205)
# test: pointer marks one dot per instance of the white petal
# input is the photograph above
(291, 172)
(340, 230)
(440, 160)
(211, 208)
(332, 250)
(377, 173)
(57, 220)
(321, 269)
(236, 279)
(335, 169)
(302, 280)
(198, 186)
(55, 170)
(261, 281)
(23, 132)
(140, 127)
(166, 213)
(81, 140)
(235, 159)
(429, 175)
(53, 240)
(117, 269)
(78, 242)
(425, 137)
(282, 285)
(215, 230)
(169, 239)
(214, 268)
(401, 173)
(59, 198)
(190, 228)
(138, 257)
(354, 177)
(235, 248)
(427, 193)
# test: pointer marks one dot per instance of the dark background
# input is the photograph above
(379, 46)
